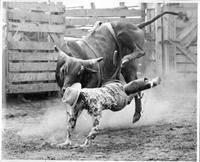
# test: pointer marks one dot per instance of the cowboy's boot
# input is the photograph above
(137, 86)
(138, 108)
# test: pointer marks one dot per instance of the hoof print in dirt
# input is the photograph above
(64, 146)
(179, 126)
(46, 144)
(50, 158)
(84, 146)
(10, 115)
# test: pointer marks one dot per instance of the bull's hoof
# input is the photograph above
(136, 117)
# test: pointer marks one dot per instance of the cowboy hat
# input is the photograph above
(71, 94)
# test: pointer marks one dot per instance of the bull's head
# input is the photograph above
(70, 70)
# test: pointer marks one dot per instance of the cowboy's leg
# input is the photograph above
(68, 134)
(68, 139)
(140, 85)
(129, 72)
(93, 132)
(134, 87)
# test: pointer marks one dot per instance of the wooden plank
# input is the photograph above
(36, 6)
(75, 32)
(188, 76)
(32, 56)
(180, 58)
(92, 20)
(186, 67)
(29, 88)
(23, 77)
(189, 5)
(190, 38)
(170, 49)
(4, 64)
(149, 45)
(30, 45)
(184, 51)
(181, 23)
(158, 33)
(193, 49)
(102, 12)
(15, 14)
(30, 27)
(194, 55)
(31, 66)
(187, 30)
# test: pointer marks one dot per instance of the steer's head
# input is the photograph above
(70, 70)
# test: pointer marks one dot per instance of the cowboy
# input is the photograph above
(113, 95)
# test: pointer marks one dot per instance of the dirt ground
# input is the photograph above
(166, 131)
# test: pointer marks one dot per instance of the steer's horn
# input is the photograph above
(91, 61)
(60, 52)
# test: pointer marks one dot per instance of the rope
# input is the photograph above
(110, 28)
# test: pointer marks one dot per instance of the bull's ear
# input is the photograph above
(90, 70)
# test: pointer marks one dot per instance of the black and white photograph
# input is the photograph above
(97, 80)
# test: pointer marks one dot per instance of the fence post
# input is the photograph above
(122, 4)
(158, 48)
(4, 57)
(143, 10)
(92, 4)
(169, 29)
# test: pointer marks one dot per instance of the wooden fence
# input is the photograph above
(30, 56)
(31, 59)
(79, 21)
(175, 40)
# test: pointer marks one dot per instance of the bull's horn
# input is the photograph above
(91, 61)
(60, 52)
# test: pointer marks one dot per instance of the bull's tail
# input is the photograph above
(180, 14)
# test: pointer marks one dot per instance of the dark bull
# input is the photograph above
(117, 43)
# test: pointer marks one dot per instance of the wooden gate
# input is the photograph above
(31, 59)
(184, 60)
(175, 40)
(30, 56)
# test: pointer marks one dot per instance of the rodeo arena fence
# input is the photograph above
(30, 59)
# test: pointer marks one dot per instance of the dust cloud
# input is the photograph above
(52, 124)
(159, 104)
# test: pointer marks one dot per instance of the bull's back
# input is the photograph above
(104, 44)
